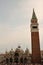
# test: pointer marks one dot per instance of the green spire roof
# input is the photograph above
(34, 15)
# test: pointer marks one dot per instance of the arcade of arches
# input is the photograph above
(19, 56)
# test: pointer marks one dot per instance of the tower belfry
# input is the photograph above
(36, 56)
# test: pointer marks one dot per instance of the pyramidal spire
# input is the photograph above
(34, 15)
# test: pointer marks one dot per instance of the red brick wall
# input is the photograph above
(36, 57)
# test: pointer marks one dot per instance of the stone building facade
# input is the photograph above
(17, 56)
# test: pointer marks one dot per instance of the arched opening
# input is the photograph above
(16, 54)
(7, 60)
(16, 60)
(25, 60)
(11, 60)
(21, 60)
(16, 57)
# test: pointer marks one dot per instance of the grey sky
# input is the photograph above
(15, 19)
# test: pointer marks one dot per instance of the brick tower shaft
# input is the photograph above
(36, 56)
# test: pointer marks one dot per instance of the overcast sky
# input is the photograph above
(15, 20)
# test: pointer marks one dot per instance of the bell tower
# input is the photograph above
(36, 56)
